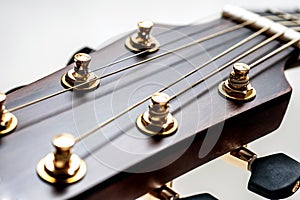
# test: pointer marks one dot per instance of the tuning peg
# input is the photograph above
(275, 176)
(166, 192)
(158, 121)
(80, 76)
(142, 40)
(8, 122)
(62, 166)
(86, 50)
(237, 87)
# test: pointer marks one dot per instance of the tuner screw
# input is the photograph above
(62, 166)
(80, 75)
(8, 122)
(237, 86)
(158, 121)
(142, 40)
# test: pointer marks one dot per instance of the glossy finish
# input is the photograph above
(80, 78)
(158, 121)
(62, 166)
(142, 40)
(8, 122)
(237, 86)
(121, 161)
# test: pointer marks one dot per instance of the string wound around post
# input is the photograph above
(8, 122)
(80, 77)
(237, 86)
(62, 166)
(158, 121)
(142, 40)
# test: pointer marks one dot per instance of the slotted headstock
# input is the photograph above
(119, 157)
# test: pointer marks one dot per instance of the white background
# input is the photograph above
(38, 37)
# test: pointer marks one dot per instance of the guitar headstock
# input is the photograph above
(120, 154)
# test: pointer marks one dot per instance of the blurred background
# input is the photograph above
(39, 37)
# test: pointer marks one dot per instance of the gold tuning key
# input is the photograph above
(80, 76)
(8, 122)
(62, 166)
(158, 121)
(237, 86)
(165, 192)
(241, 157)
(142, 40)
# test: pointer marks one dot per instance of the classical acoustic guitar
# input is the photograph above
(130, 117)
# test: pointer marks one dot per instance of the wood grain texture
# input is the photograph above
(122, 162)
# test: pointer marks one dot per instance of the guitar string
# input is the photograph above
(279, 18)
(81, 137)
(136, 54)
(145, 51)
(251, 65)
(284, 15)
(79, 85)
(297, 28)
(84, 135)
(289, 19)
(288, 23)
(120, 60)
(134, 65)
(283, 47)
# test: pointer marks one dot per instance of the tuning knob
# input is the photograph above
(142, 40)
(237, 87)
(86, 50)
(62, 166)
(80, 76)
(275, 177)
(8, 122)
(166, 192)
(158, 121)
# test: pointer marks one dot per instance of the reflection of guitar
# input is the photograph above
(119, 157)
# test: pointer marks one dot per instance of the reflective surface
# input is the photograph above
(31, 31)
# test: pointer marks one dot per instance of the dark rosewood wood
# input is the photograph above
(122, 162)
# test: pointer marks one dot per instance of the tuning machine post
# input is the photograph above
(166, 192)
(80, 76)
(158, 121)
(237, 86)
(142, 40)
(62, 166)
(8, 122)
